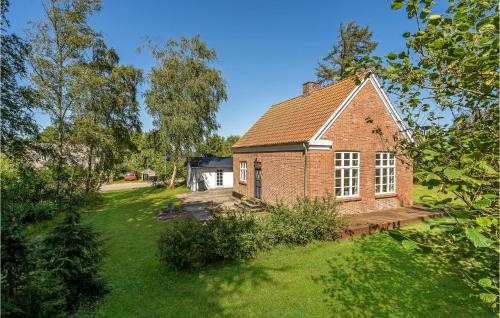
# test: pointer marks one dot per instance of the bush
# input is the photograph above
(187, 244)
(306, 221)
(228, 236)
(233, 235)
(73, 253)
(182, 244)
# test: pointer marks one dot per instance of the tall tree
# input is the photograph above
(349, 56)
(217, 146)
(106, 112)
(60, 44)
(450, 68)
(15, 111)
(184, 95)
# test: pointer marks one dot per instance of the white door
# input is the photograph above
(220, 178)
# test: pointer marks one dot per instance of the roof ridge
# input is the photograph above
(298, 118)
(321, 88)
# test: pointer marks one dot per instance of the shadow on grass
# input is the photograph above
(381, 279)
(203, 291)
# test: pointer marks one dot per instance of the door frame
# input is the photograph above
(257, 167)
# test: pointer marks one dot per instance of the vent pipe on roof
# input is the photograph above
(309, 87)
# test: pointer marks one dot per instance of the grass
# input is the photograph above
(420, 190)
(365, 277)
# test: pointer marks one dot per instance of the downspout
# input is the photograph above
(305, 170)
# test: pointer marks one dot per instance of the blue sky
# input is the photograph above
(266, 49)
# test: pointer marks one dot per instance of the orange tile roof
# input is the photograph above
(298, 119)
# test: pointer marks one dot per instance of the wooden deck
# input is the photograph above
(374, 222)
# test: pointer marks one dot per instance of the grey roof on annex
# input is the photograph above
(211, 162)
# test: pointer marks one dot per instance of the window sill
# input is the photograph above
(242, 182)
(385, 195)
(347, 199)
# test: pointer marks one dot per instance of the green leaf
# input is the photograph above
(397, 4)
(487, 297)
(432, 176)
(482, 203)
(484, 166)
(478, 239)
(392, 56)
(483, 221)
(452, 173)
(485, 282)
(489, 196)
(435, 17)
(438, 168)
(487, 28)
(410, 245)
(430, 152)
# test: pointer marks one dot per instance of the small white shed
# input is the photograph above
(204, 173)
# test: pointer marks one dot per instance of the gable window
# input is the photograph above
(243, 171)
(220, 177)
(346, 174)
(385, 171)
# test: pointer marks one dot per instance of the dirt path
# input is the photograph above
(124, 186)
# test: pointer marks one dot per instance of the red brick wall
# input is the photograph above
(352, 132)
(283, 172)
(282, 175)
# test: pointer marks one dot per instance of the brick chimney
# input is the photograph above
(309, 87)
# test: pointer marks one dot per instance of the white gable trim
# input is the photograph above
(390, 107)
(319, 144)
(386, 101)
(321, 132)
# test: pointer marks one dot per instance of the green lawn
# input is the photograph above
(365, 277)
(420, 190)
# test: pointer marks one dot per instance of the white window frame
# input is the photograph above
(221, 178)
(384, 161)
(243, 171)
(347, 169)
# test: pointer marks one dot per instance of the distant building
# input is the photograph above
(148, 175)
(204, 173)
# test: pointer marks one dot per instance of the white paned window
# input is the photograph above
(347, 174)
(220, 178)
(243, 171)
(385, 173)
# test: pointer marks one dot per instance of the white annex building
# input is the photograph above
(204, 173)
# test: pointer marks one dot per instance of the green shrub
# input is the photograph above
(73, 252)
(183, 244)
(306, 221)
(227, 236)
(233, 235)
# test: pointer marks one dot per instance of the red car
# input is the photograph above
(130, 176)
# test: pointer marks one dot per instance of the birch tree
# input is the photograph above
(59, 45)
(184, 95)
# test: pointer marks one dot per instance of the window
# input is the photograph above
(385, 170)
(220, 178)
(243, 171)
(346, 174)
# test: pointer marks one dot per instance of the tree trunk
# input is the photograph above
(60, 153)
(172, 179)
(89, 171)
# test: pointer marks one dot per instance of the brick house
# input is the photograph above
(325, 141)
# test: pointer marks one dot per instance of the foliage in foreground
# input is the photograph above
(234, 235)
(73, 253)
(451, 67)
(49, 277)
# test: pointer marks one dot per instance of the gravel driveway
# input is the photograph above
(124, 186)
